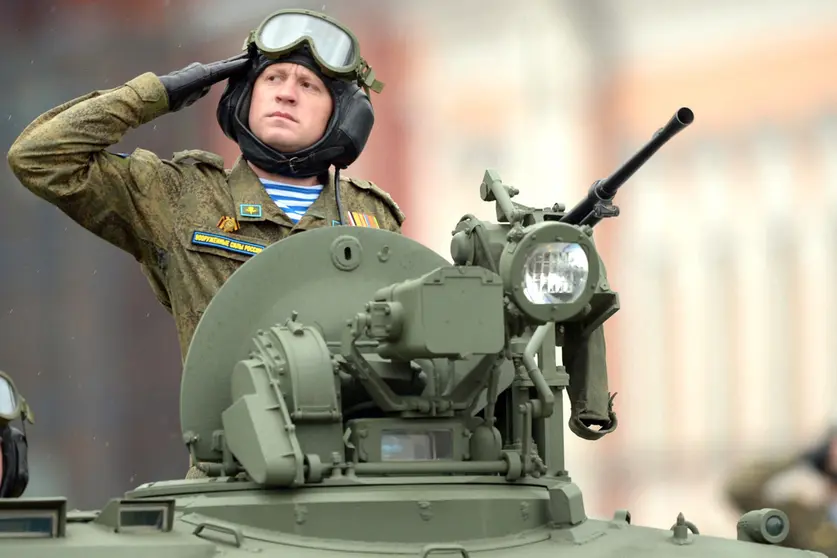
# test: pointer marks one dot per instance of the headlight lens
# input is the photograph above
(555, 273)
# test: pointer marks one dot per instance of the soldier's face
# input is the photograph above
(290, 107)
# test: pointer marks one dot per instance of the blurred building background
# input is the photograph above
(723, 254)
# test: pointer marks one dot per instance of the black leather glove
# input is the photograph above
(191, 83)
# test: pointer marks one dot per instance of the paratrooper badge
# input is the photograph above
(250, 210)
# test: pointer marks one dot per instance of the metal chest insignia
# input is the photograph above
(228, 224)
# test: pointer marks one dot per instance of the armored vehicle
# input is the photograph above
(382, 401)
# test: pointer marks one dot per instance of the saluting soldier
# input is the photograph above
(296, 103)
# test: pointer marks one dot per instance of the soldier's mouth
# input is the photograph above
(280, 114)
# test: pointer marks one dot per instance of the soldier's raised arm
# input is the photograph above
(61, 156)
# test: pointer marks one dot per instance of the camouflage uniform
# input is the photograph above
(810, 526)
(190, 224)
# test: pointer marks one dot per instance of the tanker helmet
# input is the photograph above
(332, 52)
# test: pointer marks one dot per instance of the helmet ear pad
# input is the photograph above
(353, 117)
(226, 106)
(238, 88)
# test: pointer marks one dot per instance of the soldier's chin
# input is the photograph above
(284, 143)
(278, 141)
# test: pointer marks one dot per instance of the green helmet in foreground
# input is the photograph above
(384, 402)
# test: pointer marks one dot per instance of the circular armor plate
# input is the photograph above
(323, 275)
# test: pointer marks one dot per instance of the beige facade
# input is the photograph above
(732, 360)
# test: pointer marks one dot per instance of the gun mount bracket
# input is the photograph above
(605, 209)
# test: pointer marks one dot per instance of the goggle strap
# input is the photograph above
(26, 414)
(367, 76)
(250, 40)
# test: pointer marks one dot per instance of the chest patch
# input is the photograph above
(250, 210)
(226, 243)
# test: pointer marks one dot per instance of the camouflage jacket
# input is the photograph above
(188, 221)
(810, 527)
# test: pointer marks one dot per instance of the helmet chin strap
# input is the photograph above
(275, 162)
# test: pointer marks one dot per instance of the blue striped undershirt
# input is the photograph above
(293, 200)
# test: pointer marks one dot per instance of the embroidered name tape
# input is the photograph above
(363, 220)
(226, 243)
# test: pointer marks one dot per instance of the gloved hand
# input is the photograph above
(193, 82)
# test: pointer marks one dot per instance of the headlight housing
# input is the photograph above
(552, 272)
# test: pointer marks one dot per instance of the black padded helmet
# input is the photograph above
(342, 142)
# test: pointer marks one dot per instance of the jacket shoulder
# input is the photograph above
(378, 192)
(184, 167)
(199, 157)
(191, 157)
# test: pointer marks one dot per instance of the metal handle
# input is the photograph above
(431, 548)
(239, 537)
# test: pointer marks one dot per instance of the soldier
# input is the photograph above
(812, 513)
(297, 102)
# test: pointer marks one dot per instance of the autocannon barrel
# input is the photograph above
(605, 190)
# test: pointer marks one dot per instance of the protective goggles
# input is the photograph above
(332, 45)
